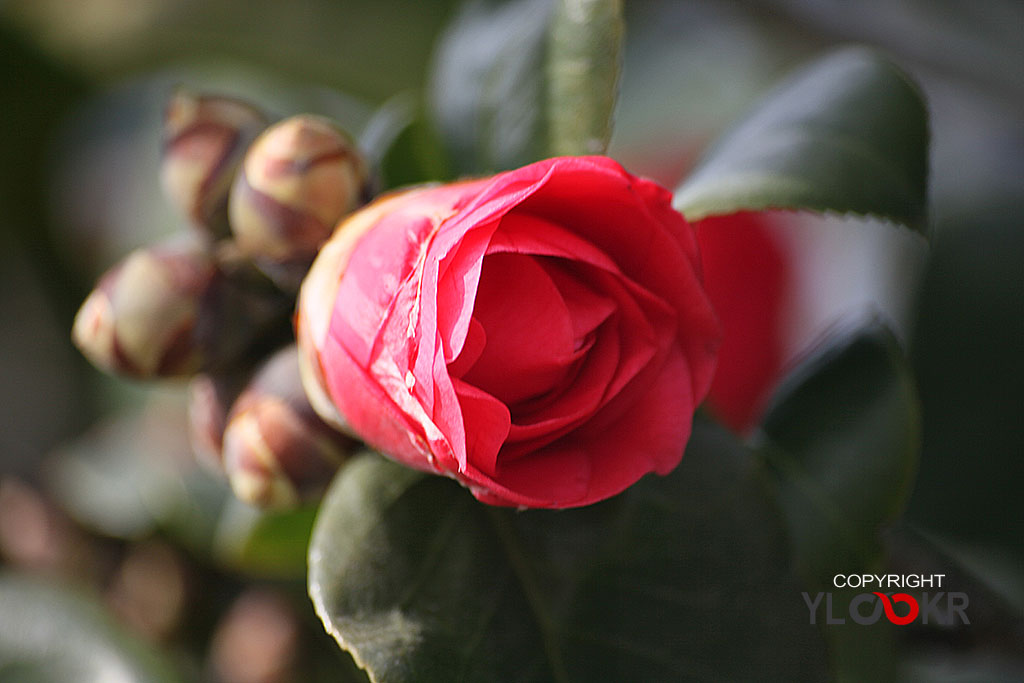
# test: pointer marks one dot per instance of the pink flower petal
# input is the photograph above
(747, 278)
(472, 347)
(530, 341)
(653, 245)
(574, 471)
(487, 422)
(369, 411)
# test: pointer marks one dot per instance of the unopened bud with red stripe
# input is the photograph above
(171, 310)
(277, 451)
(298, 179)
(204, 140)
(140, 319)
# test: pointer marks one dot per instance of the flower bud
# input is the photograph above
(140, 319)
(169, 310)
(204, 139)
(297, 181)
(277, 451)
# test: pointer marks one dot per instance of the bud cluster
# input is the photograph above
(212, 302)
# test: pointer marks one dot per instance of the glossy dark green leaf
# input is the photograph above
(842, 440)
(267, 543)
(583, 62)
(385, 125)
(414, 156)
(849, 134)
(683, 577)
(487, 85)
(50, 633)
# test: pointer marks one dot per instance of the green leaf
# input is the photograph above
(487, 85)
(848, 134)
(583, 63)
(682, 577)
(384, 126)
(49, 633)
(264, 543)
(415, 156)
(842, 440)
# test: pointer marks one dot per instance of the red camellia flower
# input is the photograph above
(748, 275)
(543, 336)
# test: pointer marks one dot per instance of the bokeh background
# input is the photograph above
(97, 485)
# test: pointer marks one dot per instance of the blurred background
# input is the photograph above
(97, 484)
